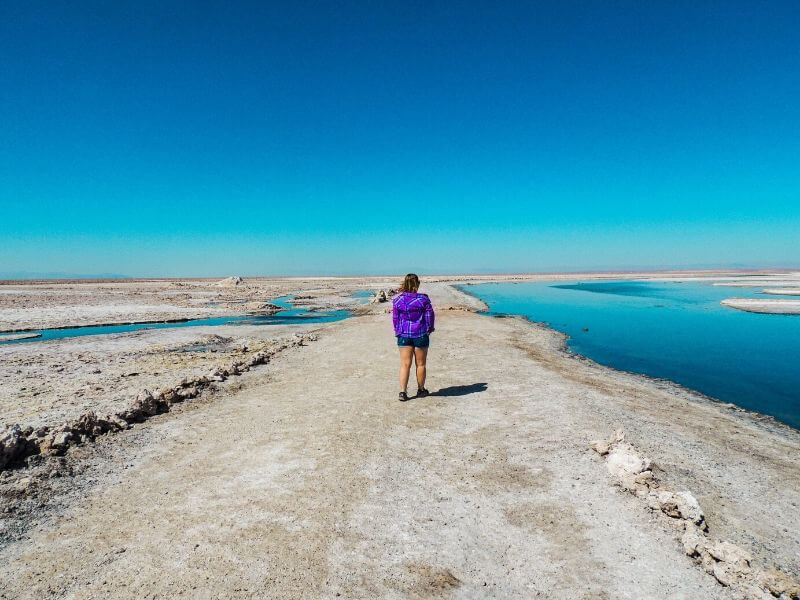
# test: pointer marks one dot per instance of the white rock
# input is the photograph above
(61, 440)
(681, 505)
(146, 403)
(690, 508)
(23, 484)
(724, 573)
(230, 282)
(379, 297)
(623, 461)
(729, 553)
(12, 443)
(693, 540)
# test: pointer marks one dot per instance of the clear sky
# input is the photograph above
(196, 138)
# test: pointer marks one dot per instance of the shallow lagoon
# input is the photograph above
(676, 331)
(288, 316)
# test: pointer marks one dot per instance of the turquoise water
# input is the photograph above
(288, 316)
(676, 331)
(363, 294)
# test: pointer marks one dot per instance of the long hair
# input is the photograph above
(410, 283)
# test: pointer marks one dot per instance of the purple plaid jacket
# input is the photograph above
(412, 315)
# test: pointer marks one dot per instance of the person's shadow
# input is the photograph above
(460, 390)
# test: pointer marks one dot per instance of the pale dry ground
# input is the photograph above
(39, 305)
(754, 282)
(778, 284)
(47, 304)
(783, 291)
(313, 481)
(52, 382)
(770, 306)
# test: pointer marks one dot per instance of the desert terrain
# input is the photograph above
(255, 461)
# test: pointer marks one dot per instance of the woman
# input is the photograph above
(412, 314)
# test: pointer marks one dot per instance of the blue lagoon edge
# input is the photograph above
(669, 330)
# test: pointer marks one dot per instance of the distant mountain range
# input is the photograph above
(35, 275)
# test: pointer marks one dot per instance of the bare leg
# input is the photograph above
(406, 352)
(420, 357)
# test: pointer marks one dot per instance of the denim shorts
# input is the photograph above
(416, 342)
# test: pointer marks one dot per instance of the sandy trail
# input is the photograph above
(313, 481)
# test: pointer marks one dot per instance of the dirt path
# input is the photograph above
(313, 481)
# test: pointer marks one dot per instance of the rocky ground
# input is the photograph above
(46, 383)
(298, 474)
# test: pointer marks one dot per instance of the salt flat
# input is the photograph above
(306, 478)
(774, 306)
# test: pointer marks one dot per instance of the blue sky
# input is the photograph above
(199, 138)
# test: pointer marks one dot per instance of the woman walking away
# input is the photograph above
(412, 314)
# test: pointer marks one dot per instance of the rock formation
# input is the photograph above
(12, 444)
(729, 564)
(382, 296)
(257, 306)
(230, 282)
(17, 443)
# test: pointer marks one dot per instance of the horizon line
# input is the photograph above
(4, 279)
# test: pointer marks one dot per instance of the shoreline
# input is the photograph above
(771, 306)
(497, 458)
(163, 322)
(111, 324)
(11, 336)
(754, 415)
(474, 305)
(751, 416)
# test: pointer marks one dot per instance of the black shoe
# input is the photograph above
(403, 397)
(422, 392)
